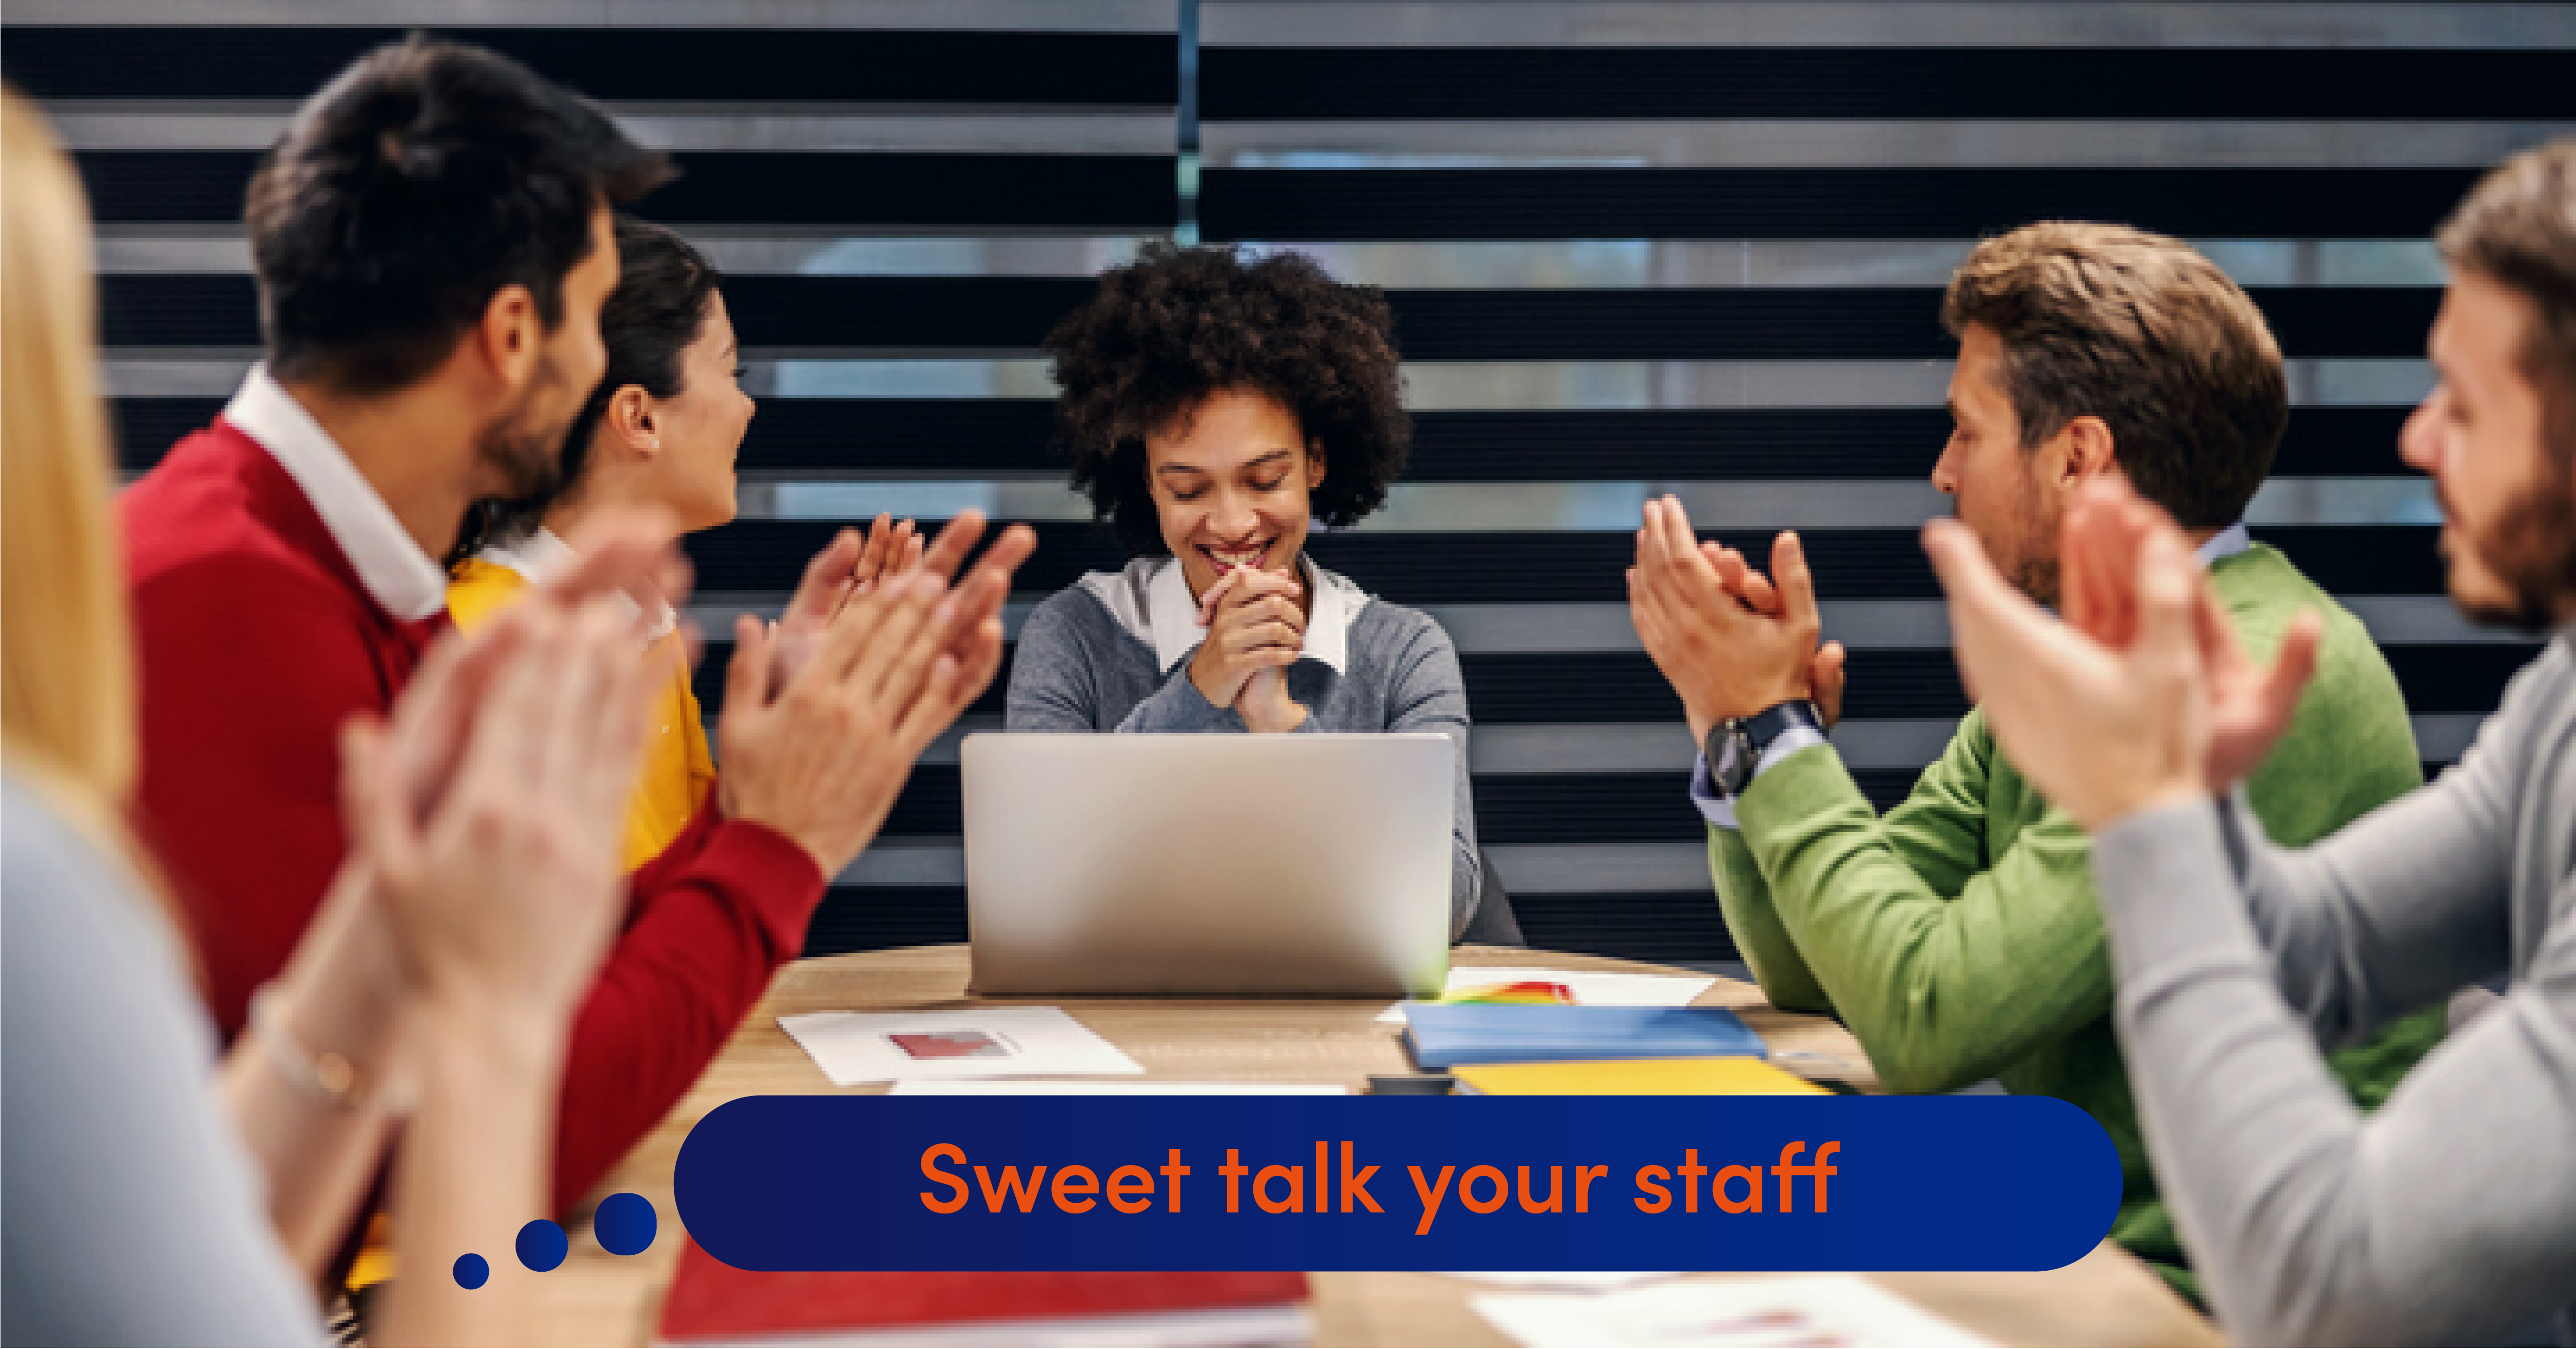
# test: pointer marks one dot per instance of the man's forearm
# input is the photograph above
(1744, 897)
(1744, 893)
(2308, 1221)
(1941, 989)
(2388, 915)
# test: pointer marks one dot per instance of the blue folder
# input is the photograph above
(1444, 1035)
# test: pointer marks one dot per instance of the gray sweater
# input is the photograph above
(1111, 653)
(133, 1216)
(2450, 1214)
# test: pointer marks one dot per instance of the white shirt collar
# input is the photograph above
(1171, 616)
(539, 557)
(403, 580)
(1151, 599)
(544, 555)
(2227, 542)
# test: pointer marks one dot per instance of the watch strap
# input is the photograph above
(1735, 746)
(1772, 722)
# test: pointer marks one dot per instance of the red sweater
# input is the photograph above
(257, 640)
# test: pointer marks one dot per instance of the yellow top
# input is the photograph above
(678, 770)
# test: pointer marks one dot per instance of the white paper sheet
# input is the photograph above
(1567, 1281)
(1751, 1313)
(1591, 988)
(1096, 1087)
(856, 1047)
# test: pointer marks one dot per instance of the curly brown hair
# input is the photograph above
(1179, 324)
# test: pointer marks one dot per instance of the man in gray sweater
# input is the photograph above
(2450, 1214)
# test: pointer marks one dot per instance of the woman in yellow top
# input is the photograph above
(661, 430)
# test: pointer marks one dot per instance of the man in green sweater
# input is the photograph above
(1958, 935)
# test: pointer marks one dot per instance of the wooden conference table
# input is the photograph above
(596, 1298)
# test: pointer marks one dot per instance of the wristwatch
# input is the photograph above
(1735, 745)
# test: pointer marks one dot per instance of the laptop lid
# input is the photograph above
(1307, 865)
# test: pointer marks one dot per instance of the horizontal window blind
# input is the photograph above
(1693, 247)
(1699, 247)
(917, 189)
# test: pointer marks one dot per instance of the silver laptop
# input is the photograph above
(1217, 865)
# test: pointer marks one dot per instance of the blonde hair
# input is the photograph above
(67, 687)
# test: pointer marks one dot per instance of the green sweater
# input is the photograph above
(1958, 936)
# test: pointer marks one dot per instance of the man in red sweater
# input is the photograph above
(432, 242)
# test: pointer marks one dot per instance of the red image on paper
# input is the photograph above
(955, 1044)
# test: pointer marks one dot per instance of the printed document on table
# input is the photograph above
(1590, 988)
(1808, 1309)
(1095, 1087)
(859, 1047)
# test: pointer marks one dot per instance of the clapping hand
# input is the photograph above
(818, 752)
(893, 548)
(1731, 641)
(854, 563)
(487, 813)
(498, 870)
(1825, 670)
(2143, 698)
(2250, 705)
(624, 552)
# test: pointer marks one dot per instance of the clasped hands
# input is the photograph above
(2142, 697)
(1255, 631)
(1731, 641)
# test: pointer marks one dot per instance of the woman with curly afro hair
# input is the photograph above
(1215, 406)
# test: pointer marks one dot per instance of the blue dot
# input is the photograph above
(624, 1224)
(471, 1272)
(542, 1245)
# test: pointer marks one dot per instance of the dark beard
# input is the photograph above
(2039, 579)
(523, 454)
(2036, 576)
(2533, 552)
(2043, 532)
(527, 460)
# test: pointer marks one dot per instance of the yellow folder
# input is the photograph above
(1637, 1077)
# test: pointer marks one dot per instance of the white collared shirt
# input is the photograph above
(1151, 600)
(2227, 542)
(402, 579)
(540, 557)
(544, 555)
